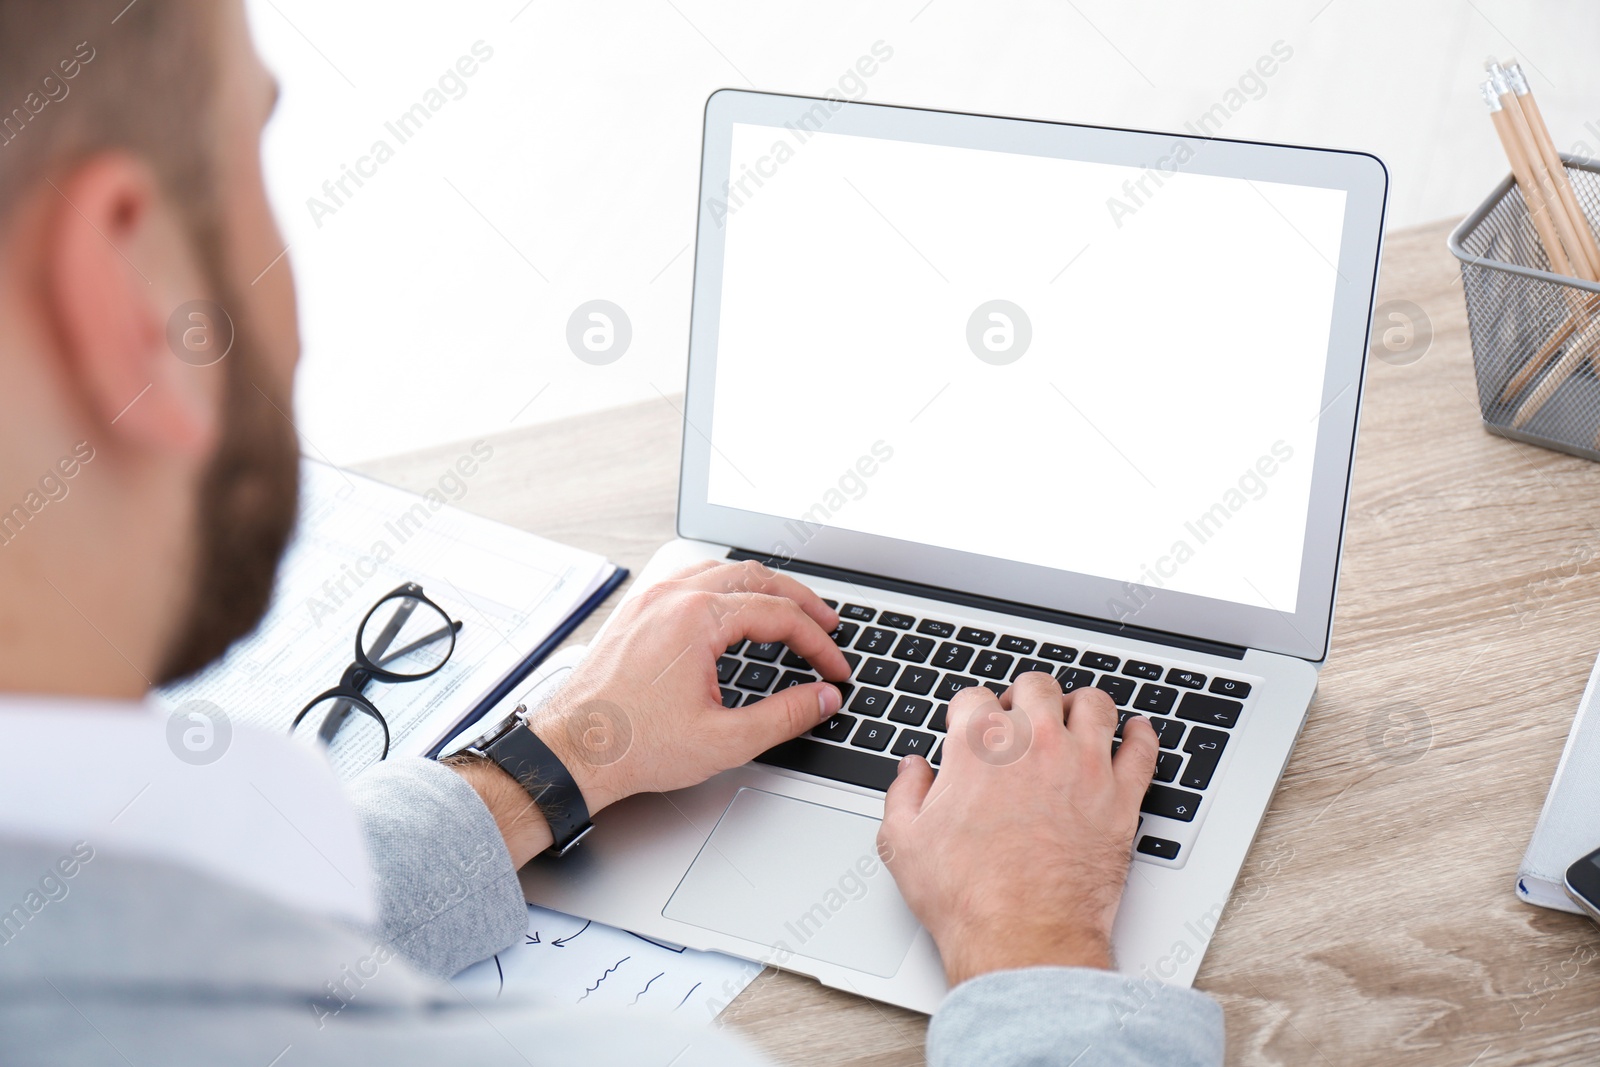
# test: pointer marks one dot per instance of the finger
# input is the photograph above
(905, 798)
(785, 714)
(971, 702)
(693, 569)
(1091, 716)
(761, 617)
(1038, 695)
(1135, 762)
(751, 576)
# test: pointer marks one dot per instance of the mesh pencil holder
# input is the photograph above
(1535, 334)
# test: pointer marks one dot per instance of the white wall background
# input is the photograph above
(434, 301)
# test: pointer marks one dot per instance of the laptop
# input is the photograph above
(1013, 395)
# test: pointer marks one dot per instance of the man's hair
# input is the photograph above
(79, 77)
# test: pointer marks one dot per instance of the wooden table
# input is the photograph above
(1374, 919)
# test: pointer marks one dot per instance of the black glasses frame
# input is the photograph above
(350, 692)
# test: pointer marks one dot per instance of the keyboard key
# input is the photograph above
(876, 640)
(1150, 672)
(852, 660)
(792, 660)
(757, 676)
(733, 649)
(765, 651)
(974, 636)
(792, 678)
(751, 698)
(873, 735)
(857, 612)
(873, 702)
(727, 667)
(730, 698)
(953, 684)
(1213, 711)
(913, 743)
(938, 754)
(837, 728)
(834, 762)
(936, 628)
(992, 664)
(996, 688)
(1169, 802)
(1155, 698)
(1187, 679)
(1122, 719)
(939, 721)
(1121, 689)
(1159, 847)
(831, 603)
(1167, 764)
(877, 672)
(1059, 653)
(1020, 645)
(1027, 665)
(1099, 661)
(918, 680)
(910, 710)
(953, 657)
(843, 633)
(1168, 731)
(1229, 688)
(1073, 678)
(897, 620)
(912, 648)
(1205, 752)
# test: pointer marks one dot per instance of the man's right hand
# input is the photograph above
(1016, 853)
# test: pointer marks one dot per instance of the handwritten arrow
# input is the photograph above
(561, 942)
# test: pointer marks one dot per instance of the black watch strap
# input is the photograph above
(521, 754)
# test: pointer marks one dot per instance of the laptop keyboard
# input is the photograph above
(905, 670)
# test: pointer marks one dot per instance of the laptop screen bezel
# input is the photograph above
(1303, 632)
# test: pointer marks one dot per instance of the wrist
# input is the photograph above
(590, 747)
(987, 951)
(523, 826)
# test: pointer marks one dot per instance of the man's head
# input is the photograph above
(132, 208)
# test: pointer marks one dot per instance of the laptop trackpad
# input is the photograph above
(802, 878)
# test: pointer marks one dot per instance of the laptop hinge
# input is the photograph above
(972, 600)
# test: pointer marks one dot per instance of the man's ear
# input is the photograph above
(116, 262)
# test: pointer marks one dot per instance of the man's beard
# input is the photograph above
(247, 510)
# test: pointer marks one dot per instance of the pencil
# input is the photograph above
(1538, 213)
(1554, 164)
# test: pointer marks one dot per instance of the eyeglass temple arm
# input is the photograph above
(422, 642)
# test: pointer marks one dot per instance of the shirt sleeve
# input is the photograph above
(447, 894)
(1054, 1015)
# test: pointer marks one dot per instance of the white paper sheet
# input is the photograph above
(357, 539)
(565, 962)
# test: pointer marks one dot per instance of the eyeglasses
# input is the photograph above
(404, 638)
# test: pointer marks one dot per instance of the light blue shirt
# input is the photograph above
(113, 949)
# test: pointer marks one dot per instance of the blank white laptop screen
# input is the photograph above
(1043, 359)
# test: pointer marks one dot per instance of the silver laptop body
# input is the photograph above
(1015, 395)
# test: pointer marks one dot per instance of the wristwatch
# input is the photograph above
(512, 744)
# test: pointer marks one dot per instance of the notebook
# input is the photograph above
(517, 595)
(1569, 825)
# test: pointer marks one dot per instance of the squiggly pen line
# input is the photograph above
(645, 990)
(687, 995)
(603, 977)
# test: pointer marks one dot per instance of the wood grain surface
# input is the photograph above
(1374, 920)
